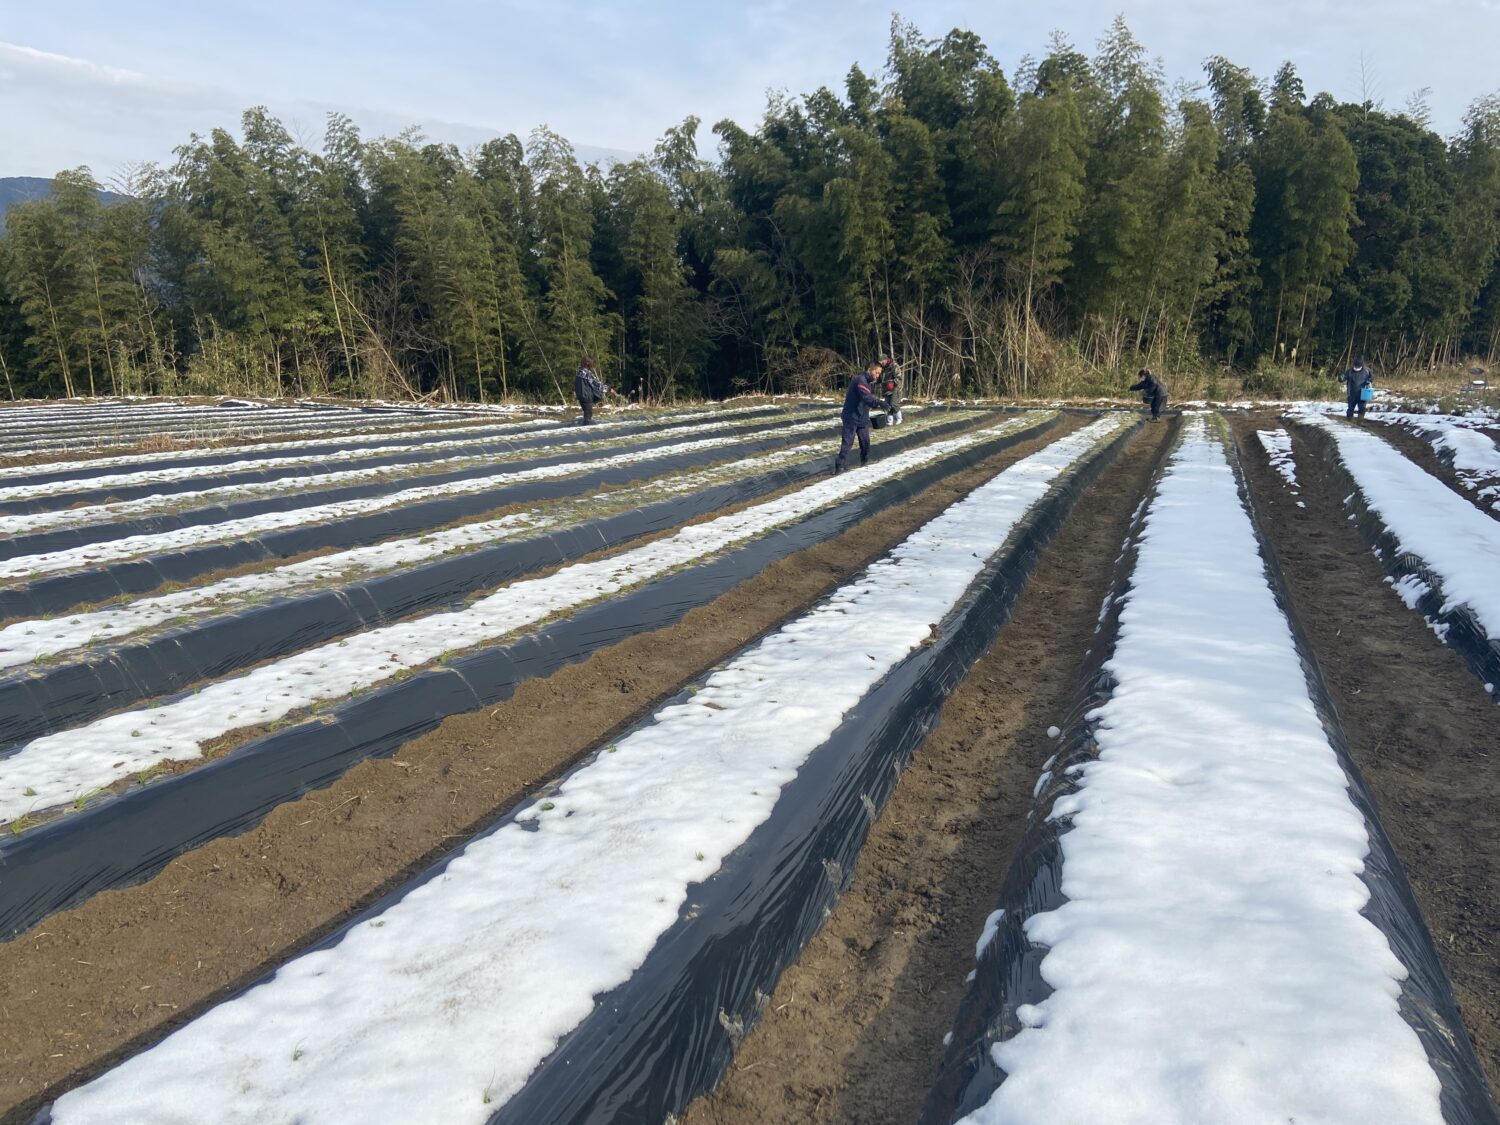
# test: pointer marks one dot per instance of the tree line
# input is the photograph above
(1036, 233)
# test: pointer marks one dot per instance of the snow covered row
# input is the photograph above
(32, 417)
(1473, 455)
(1457, 542)
(77, 468)
(440, 1006)
(458, 457)
(131, 546)
(28, 640)
(1210, 959)
(59, 767)
(18, 418)
(146, 468)
(145, 475)
(207, 427)
(83, 422)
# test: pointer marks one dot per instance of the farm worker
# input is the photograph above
(890, 386)
(1356, 379)
(589, 388)
(1153, 391)
(856, 416)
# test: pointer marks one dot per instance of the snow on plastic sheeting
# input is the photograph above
(373, 431)
(93, 554)
(231, 493)
(245, 459)
(166, 475)
(1278, 447)
(57, 768)
(210, 427)
(23, 642)
(1454, 539)
(1474, 457)
(438, 1008)
(1211, 962)
(146, 462)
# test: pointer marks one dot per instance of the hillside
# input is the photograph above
(18, 189)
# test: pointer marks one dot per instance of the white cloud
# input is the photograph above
(70, 111)
(17, 60)
(106, 87)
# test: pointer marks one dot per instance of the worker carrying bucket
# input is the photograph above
(1359, 383)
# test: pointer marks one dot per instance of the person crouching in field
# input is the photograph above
(1356, 379)
(856, 416)
(1153, 391)
(589, 388)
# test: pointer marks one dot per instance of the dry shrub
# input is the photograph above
(814, 371)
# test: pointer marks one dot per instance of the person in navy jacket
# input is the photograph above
(856, 416)
(1356, 379)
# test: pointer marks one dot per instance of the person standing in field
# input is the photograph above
(1153, 391)
(856, 416)
(589, 388)
(1356, 379)
(890, 386)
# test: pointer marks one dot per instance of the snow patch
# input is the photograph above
(987, 935)
(440, 1007)
(1278, 447)
(22, 642)
(112, 511)
(1457, 542)
(93, 554)
(1211, 961)
(58, 767)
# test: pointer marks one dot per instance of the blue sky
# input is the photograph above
(110, 84)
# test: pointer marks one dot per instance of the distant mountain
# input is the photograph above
(18, 189)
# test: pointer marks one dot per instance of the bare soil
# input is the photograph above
(854, 1031)
(91, 985)
(1421, 728)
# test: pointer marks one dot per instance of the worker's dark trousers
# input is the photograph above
(1158, 404)
(1355, 403)
(851, 431)
(588, 410)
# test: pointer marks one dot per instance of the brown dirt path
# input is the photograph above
(93, 984)
(1421, 728)
(854, 1030)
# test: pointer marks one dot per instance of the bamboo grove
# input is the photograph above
(1040, 232)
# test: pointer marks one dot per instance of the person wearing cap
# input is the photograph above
(855, 417)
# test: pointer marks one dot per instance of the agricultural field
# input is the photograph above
(379, 762)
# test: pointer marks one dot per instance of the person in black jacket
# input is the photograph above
(890, 387)
(589, 388)
(856, 416)
(1153, 391)
(1356, 379)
